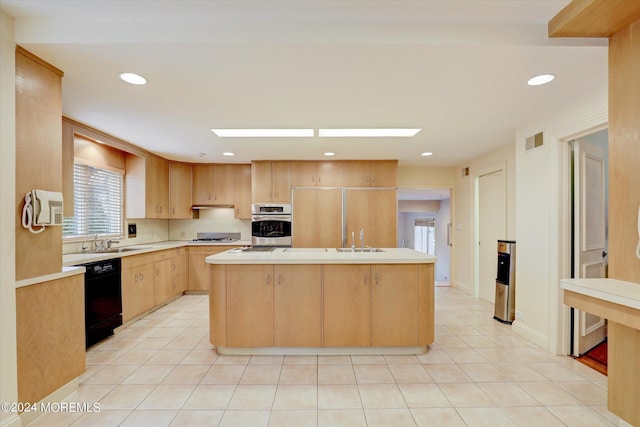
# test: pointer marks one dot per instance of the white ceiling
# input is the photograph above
(455, 68)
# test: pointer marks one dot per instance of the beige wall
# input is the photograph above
(426, 177)
(418, 205)
(8, 361)
(464, 249)
(541, 177)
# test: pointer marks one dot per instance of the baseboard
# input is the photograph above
(530, 334)
(463, 287)
(57, 396)
(12, 420)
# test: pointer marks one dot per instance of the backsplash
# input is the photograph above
(159, 230)
(149, 231)
(216, 219)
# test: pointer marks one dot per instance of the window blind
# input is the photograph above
(98, 203)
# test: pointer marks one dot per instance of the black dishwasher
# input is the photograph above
(102, 299)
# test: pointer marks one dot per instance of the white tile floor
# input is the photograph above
(161, 371)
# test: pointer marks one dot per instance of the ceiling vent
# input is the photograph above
(464, 171)
(534, 141)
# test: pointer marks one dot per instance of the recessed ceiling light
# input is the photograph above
(133, 78)
(427, 153)
(262, 133)
(374, 132)
(542, 79)
(228, 154)
(329, 154)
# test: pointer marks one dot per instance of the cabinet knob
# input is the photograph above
(268, 281)
(279, 279)
(141, 277)
(377, 278)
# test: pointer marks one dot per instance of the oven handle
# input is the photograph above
(286, 218)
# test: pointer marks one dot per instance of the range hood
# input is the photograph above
(199, 207)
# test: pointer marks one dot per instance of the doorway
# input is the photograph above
(491, 225)
(589, 243)
(424, 224)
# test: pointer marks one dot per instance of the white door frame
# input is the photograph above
(561, 334)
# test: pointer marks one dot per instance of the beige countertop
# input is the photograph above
(611, 290)
(321, 256)
(64, 272)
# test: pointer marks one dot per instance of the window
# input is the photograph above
(425, 236)
(98, 203)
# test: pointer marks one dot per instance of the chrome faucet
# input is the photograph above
(362, 239)
(93, 245)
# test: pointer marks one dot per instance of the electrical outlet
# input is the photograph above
(519, 315)
(183, 234)
(131, 230)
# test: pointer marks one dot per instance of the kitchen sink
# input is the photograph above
(359, 250)
(120, 250)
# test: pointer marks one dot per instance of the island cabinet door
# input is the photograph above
(250, 305)
(347, 305)
(394, 305)
(298, 305)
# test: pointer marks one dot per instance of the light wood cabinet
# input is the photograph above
(394, 311)
(198, 270)
(243, 192)
(178, 271)
(50, 336)
(147, 187)
(250, 315)
(317, 174)
(162, 281)
(376, 212)
(318, 218)
(329, 305)
(297, 305)
(38, 151)
(371, 174)
(180, 182)
(346, 316)
(138, 291)
(224, 184)
(270, 182)
(202, 189)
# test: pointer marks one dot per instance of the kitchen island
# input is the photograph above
(321, 301)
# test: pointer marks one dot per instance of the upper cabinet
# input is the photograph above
(243, 192)
(371, 174)
(270, 182)
(213, 184)
(147, 184)
(317, 174)
(180, 183)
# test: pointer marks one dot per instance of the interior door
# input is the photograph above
(492, 225)
(589, 236)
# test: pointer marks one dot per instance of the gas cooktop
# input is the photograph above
(214, 237)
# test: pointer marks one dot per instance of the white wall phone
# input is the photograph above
(42, 208)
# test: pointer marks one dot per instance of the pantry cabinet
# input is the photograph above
(376, 212)
(243, 192)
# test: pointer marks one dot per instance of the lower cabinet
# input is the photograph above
(297, 305)
(331, 305)
(271, 305)
(394, 305)
(346, 316)
(249, 305)
(152, 279)
(199, 274)
(138, 293)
